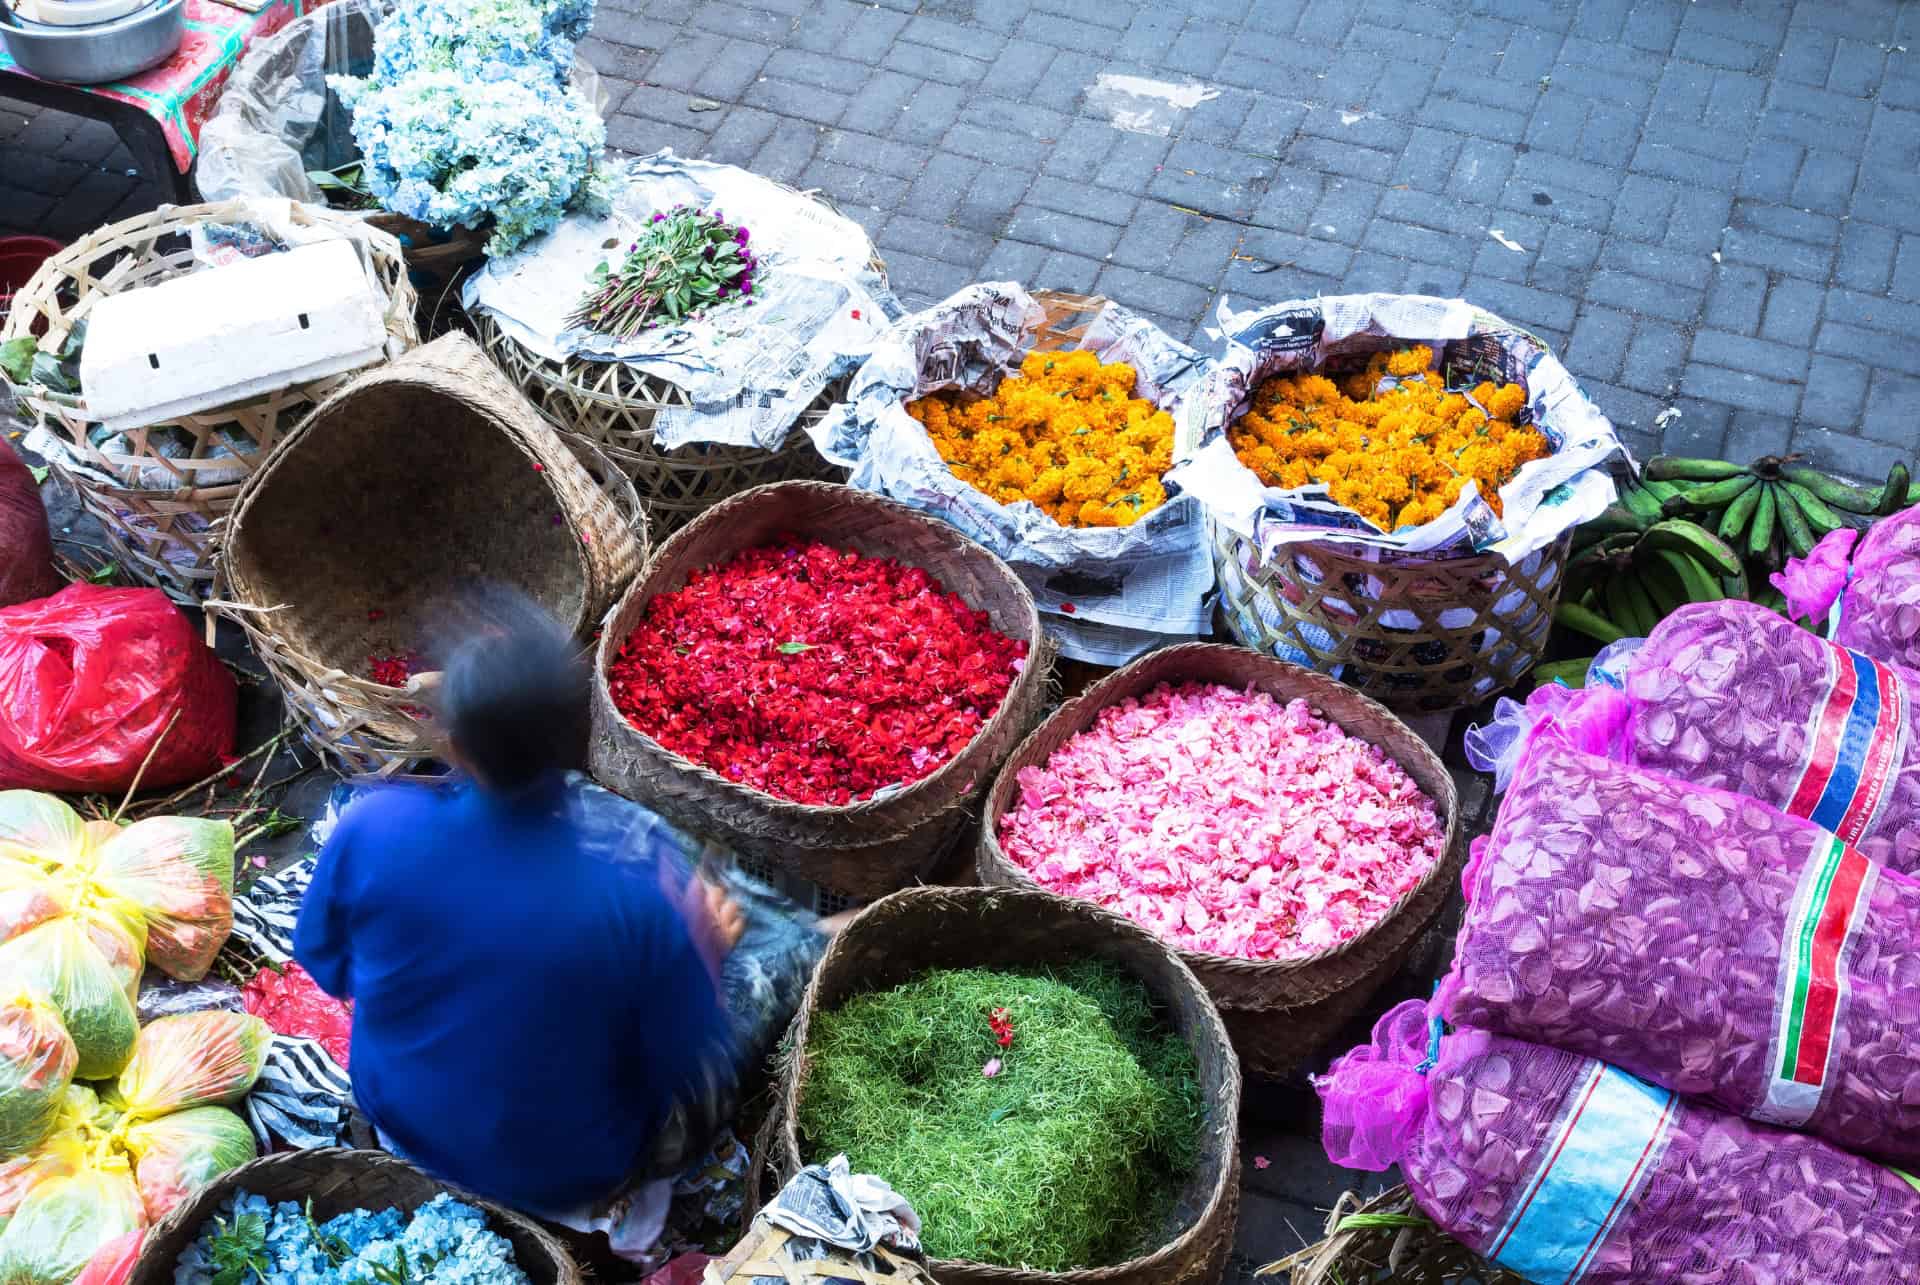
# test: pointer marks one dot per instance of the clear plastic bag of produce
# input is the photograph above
(1562, 1168)
(95, 681)
(1734, 696)
(196, 1059)
(1701, 940)
(176, 1154)
(59, 963)
(169, 880)
(65, 1218)
(1869, 591)
(37, 1058)
(113, 1262)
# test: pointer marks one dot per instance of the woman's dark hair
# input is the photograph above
(513, 695)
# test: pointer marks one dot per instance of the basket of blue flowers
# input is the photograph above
(333, 1214)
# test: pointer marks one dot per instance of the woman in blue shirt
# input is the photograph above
(538, 971)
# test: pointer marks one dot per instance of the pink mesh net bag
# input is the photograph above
(1701, 940)
(1563, 1169)
(1877, 588)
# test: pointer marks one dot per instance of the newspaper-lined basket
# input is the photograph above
(906, 934)
(335, 1181)
(868, 848)
(1418, 635)
(386, 504)
(613, 406)
(1385, 1241)
(758, 1257)
(1424, 619)
(1278, 1012)
(157, 508)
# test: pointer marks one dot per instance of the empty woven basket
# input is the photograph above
(337, 1180)
(401, 494)
(901, 936)
(1278, 1012)
(867, 848)
(160, 489)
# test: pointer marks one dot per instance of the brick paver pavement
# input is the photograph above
(1716, 204)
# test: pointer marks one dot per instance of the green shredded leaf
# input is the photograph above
(40, 475)
(795, 648)
(16, 358)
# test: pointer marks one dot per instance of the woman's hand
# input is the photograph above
(714, 920)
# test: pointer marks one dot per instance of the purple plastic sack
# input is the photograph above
(1562, 1168)
(1878, 588)
(1701, 940)
(1734, 696)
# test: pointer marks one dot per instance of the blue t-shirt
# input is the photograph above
(525, 1012)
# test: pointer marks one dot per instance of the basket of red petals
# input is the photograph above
(821, 678)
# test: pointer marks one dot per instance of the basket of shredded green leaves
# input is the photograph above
(1044, 1081)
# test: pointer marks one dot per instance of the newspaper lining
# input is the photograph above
(749, 370)
(1544, 499)
(1108, 594)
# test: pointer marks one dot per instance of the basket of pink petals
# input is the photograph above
(1290, 837)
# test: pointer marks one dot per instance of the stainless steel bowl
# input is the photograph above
(104, 51)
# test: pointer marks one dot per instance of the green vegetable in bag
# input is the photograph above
(180, 1153)
(59, 963)
(37, 1058)
(65, 1218)
(191, 1060)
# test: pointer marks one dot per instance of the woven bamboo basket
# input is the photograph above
(906, 934)
(1419, 635)
(864, 849)
(614, 405)
(377, 515)
(163, 533)
(758, 1256)
(1386, 1241)
(337, 1180)
(1278, 1013)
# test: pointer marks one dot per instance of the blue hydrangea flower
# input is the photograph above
(444, 1242)
(467, 119)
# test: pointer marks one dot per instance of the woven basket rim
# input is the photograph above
(1223, 1108)
(175, 1231)
(1118, 685)
(171, 220)
(422, 364)
(644, 589)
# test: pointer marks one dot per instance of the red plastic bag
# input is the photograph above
(113, 1262)
(26, 568)
(291, 1004)
(684, 1270)
(89, 680)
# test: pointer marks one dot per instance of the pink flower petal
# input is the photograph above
(1261, 1162)
(991, 1069)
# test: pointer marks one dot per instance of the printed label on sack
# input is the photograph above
(1852, 745)
(1812, 990)
(1605, 1144)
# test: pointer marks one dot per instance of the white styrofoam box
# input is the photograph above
(220, 335)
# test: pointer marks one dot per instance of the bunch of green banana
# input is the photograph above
(1634, 564)
(1775, 506)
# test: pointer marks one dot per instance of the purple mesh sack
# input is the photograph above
(1701, 940)
(1734, 696)
(1878, 589)
(1563, 1169)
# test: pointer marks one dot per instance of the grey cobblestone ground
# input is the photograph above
(1716, 205)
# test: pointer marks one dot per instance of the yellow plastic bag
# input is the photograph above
(168, 880)
(179, 872)
(37, 1058)
(65, 1217)
(59, 963)
(192, 1060)
(180, 1153)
